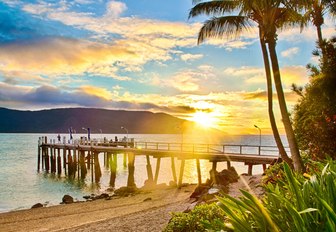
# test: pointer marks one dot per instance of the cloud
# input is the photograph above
(62, 56)
(250, 75)
(189, 57)
(115, 8)
(294, 74)
(308, 34)
(185, 80)
(48, 96)
(289, 53)
(256, 75)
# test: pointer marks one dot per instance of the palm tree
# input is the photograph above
(314, 11)
(274, 127)
(266, 14)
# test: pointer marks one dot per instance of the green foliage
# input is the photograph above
(198, 219)
(296, 203)
(273, 174)
(315, 114)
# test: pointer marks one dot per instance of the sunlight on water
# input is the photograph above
(22, 186)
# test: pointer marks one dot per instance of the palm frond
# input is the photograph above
(228, 26)
(214, 8)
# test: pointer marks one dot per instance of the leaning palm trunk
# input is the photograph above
(297, 161)
(275, 131)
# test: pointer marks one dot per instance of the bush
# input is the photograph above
(315, 114)
(198, 219)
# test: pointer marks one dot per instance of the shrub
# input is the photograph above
(198, 219)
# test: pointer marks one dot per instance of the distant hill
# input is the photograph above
(109, 121)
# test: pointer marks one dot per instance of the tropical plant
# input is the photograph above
(298, 203)
(314, 11)
(198, 219)
(269, 16)
(315, 113)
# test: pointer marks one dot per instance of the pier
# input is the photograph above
(77, 158)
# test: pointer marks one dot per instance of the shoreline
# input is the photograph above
(146, 211)
(69, 216)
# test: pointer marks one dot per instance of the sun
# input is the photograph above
(204, 119)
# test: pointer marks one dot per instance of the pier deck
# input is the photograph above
(80, 156)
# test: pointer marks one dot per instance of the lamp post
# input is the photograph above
(124, 128)
(259, 137)
(88, 131)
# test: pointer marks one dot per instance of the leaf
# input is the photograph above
(308, 210)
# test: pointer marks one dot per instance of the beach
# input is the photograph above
(147, 211)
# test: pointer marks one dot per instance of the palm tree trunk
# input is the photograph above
(297, 161)
(276, 135)
(320, 41)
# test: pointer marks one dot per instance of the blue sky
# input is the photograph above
(140, 55)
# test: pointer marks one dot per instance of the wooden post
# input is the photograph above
(228, 164)
(173, 169)
(74, 165)
(149, 169)
(113, 168)
(51, 160)
(264, 167)
(105, 157)
(70, 169)
(213, 172)
(88, 157)
(157, 169)
(108, 159)
(97, 169)
(82, 165)
(47, 159)
(38, 157)
(91, 156)
(130, 179)
(59, 162)
(199, 172)
(249, 171)
(64, 161)
(125, 160)
(43, 158)
(181, 173)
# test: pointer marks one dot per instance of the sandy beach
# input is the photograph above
(148, 211)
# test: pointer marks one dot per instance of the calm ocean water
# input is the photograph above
(21, 185)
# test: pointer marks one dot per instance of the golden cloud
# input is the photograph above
(96, 91)
(60, 56)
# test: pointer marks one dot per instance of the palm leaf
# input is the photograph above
(229, 26)
(214, 8)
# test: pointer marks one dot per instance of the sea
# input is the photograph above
(21, 186)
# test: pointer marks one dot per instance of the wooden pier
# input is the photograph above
(77, 158)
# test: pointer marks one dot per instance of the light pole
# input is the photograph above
(124, 128)
(259, 137)
(88, 131)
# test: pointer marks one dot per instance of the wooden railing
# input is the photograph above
(210, 148)
(182, 147)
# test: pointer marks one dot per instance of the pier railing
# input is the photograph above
(210, 148)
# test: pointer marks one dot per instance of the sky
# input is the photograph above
(141, 55)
